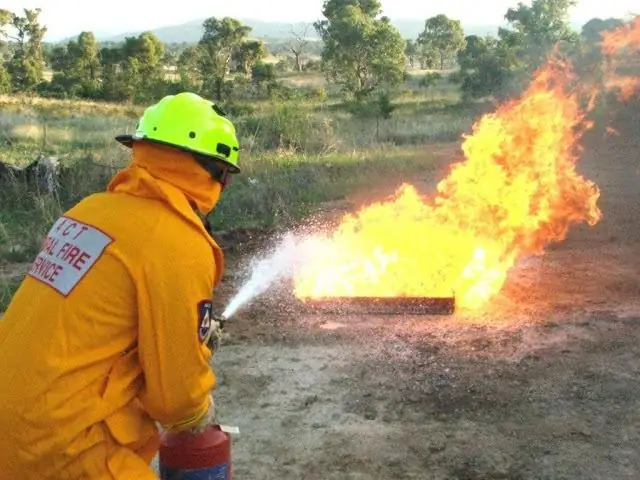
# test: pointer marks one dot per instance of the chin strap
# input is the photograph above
(218, 173)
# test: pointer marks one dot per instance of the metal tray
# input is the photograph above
(383, 305)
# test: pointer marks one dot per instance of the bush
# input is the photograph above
(430, 79)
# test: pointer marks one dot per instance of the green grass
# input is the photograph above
(7, 288)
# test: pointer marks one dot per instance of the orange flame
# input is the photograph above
(620, 46)
(516, 192)
(625, 86)
(626, 37)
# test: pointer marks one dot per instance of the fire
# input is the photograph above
(625, 86)
(620, 46)
(624, 37)
(515, 192)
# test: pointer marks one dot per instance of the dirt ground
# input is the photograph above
(544, 384)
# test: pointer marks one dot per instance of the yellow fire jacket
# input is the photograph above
(104, 336)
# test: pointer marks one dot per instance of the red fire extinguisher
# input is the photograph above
(189, 456)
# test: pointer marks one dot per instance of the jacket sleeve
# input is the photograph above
(174, 298)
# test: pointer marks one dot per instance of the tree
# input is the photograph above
(26, 67)
(143, 64)
(490, 74)
(5, 79)
(117, 86)
(170, 57)
(264, 76)
(263, 72)
(300, 39)
(592, 30)
(218, 43)
(188, 67)
(361, 51)
(248, 53)
(88, 61)
(536, 29)
(427, 56)
(60, 63)
(475, 47)
(77, 66)
(5, 20)
(499, 66)
(443, 37)
(332, 8)
(411, 51)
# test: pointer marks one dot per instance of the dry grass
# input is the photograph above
(66, 108)
(308, 80)
(314, 123)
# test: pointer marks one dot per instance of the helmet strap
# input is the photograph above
(217, 172)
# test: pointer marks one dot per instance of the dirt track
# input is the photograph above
(544, 385)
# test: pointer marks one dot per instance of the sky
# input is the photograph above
(65, 18)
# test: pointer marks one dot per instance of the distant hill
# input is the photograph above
(191, 32)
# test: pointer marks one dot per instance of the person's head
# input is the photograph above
(196, 131)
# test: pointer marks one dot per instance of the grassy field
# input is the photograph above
(296, 155)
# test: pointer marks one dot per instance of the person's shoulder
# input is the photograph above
(140, 226)
(117, 210)
(175, 234)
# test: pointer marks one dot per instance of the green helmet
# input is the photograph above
(190, 123)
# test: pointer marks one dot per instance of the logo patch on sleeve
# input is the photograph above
(205, 318)
(69, 251)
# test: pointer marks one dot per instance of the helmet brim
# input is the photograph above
(128, 140)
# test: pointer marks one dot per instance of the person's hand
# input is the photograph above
(216, 334)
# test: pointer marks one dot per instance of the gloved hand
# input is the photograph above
(208, 419)
(215, 335)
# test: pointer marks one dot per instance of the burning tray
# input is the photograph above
(384, 305)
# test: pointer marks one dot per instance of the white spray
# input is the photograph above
(277, 265)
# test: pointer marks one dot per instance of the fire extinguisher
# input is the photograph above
(203, 456)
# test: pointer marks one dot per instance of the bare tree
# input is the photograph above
(299, 41)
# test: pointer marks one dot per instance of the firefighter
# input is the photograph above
(107, 337)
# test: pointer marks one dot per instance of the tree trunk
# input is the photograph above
(219, 81)
(298, 63)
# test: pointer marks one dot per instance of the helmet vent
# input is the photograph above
(223, 149)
